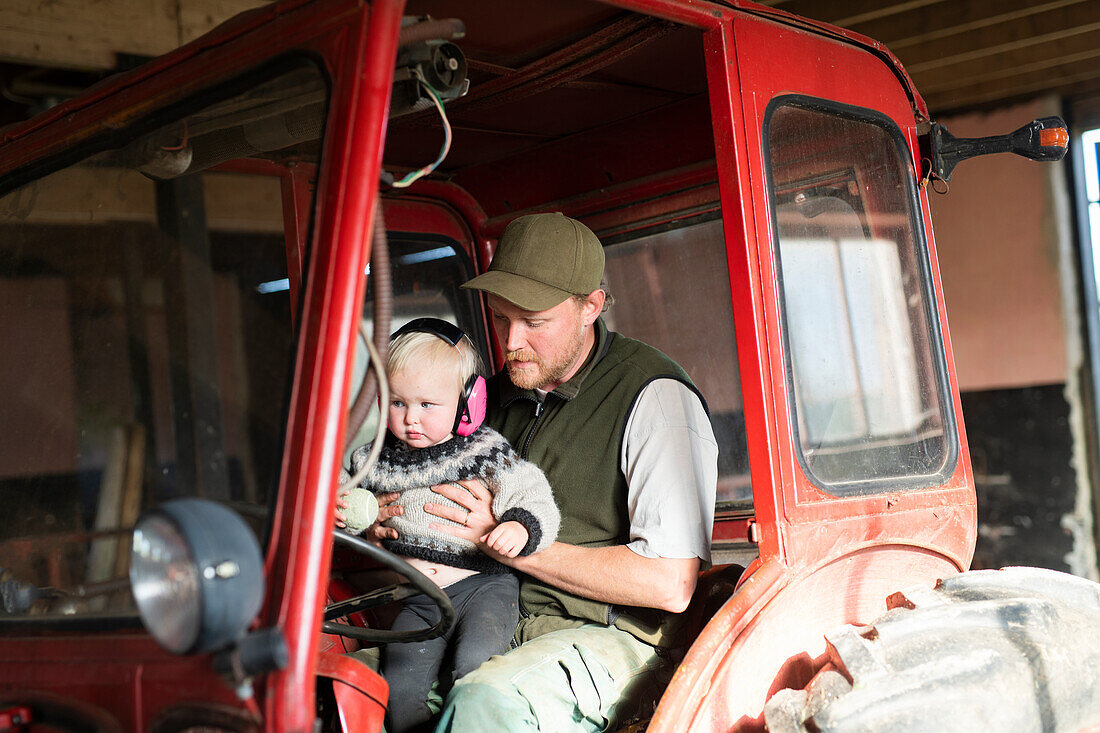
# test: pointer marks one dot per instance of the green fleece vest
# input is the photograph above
(575, 436)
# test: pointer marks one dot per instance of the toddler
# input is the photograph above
(434, 438)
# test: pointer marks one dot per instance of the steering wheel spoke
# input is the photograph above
(418, 583)
(379, 597)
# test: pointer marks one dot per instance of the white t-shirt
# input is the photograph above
(670, 461)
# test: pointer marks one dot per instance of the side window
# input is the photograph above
(672, 291)
(426, 271)
(148, 339)
(866, 371)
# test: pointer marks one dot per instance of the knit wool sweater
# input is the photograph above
(520, 492)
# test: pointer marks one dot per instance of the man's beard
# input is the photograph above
(551, 370)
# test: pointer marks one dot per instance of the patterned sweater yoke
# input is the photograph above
(520, 492)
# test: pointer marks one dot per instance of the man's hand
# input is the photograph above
(475, 516)
(507, 539)
(387, 509)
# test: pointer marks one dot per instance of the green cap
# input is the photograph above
(541, 260)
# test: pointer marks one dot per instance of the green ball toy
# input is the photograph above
(361, 511)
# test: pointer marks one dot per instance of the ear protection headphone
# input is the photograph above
(473, 401)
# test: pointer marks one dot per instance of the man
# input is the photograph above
(624, 439)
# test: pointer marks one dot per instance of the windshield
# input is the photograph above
(146, 317)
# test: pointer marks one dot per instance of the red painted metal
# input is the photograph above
(920, 108)
(468, 210)
(695, 13)
(801, 508)
(597, 159)
(297, 183)
(297, 187)
(735, 529)
(360, 692)
(298, 180)
(421, 215)
(769, 635)
(468, 219)
(746, 287)
(301, 543)
(125, 678)
(822, 560)
(578, 59)
(15, 717)
(334, 301)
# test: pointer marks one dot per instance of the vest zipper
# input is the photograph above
(531, 432)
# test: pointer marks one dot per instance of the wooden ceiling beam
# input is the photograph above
(76, 34)
(1053, 27)
(975, 53)
(1051, 69)
(983, 95)
(850, 13)
(1083, 48)
(952, 20)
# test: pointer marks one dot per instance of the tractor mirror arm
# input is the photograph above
(1046, 138)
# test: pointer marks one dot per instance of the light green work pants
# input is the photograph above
(591, 678)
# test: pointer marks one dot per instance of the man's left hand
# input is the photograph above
(474, 513)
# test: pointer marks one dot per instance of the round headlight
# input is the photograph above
(165, 583)
(196, 574)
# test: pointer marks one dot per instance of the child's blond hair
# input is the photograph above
(415, 347)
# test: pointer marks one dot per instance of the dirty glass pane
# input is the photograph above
(866, 369)
(426, 272)
(672, 291)
(148, 352)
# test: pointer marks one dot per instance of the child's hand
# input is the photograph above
(507, 539)
(341, 503)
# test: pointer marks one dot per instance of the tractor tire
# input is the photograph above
(1016, 649)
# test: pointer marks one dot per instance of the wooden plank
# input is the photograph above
(133, 246)
(965, 55)
(86, 194)
(196, 17)
(1052, 60)
(1082, 80)
(1057, 26)
(104, 553)
(848, 13)
(130, 506)
(81, 35)
(952, 20)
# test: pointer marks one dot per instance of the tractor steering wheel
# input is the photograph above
(419, 584)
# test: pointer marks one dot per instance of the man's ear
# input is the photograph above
(593, 306)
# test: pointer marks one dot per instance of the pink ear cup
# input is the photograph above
(476, 405)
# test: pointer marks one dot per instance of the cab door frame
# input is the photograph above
(791, 517)
(824, 560)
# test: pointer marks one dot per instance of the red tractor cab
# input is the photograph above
(198, 257)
